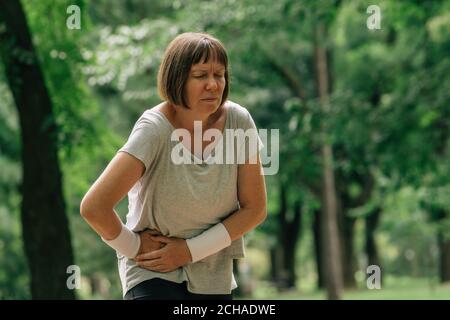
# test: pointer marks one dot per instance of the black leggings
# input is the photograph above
(160, 289)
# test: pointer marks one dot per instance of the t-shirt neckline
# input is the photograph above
(192, 155)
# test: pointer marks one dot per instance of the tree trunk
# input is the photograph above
(347, 223)
(317, 230)
(348, 255)
(444, 248)
(44, 223)
(444, 263)
(277, 253)
(291, 237)
(283, 255)
(331, 245)
(371, 247)
(276, 263)
(438, 216)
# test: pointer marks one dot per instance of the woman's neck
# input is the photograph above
(184, 118)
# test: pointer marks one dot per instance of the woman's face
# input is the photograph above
(204, 87)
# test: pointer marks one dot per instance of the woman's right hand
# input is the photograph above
(147, 243)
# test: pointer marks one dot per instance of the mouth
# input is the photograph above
(209, 99)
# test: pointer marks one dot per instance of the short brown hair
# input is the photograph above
(184, 51)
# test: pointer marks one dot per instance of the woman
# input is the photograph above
(196, 212)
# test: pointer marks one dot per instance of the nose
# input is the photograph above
(211, 84)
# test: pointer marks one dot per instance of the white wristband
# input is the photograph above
(208, 242)
(127, 243)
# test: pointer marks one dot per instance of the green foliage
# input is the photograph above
(388, 117)
(14, 279)
(13, 268)
(59, 50)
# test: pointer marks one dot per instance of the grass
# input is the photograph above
(392, 289)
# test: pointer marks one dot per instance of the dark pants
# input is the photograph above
(160, 289)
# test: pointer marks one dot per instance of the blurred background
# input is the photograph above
(359, 90)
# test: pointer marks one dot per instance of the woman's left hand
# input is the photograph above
(173, 255)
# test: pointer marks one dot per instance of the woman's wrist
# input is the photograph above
(208, 242)
(127, 242)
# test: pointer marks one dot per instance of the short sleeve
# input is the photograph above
(143, 142)
(250, 143)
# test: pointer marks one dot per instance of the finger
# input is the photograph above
(164, 269)
(161, 239)
(149, 255)
(158, 268)
(150, 263)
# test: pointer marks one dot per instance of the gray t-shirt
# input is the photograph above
(183, 200)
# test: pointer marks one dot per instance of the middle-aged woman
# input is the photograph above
(186, 218)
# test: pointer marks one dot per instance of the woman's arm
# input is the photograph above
(252, 212)
(97, 206)
(252, 201)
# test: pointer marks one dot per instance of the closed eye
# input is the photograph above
(204, 76)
